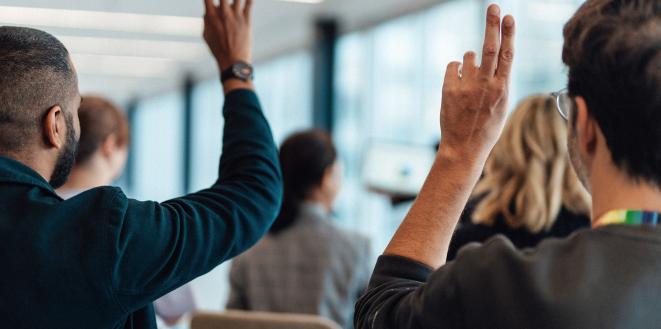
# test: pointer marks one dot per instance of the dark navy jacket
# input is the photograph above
(98, 260)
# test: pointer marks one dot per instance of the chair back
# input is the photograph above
(259, 320)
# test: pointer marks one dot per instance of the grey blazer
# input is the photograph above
(313, 267)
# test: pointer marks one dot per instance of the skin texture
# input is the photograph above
(473, 113)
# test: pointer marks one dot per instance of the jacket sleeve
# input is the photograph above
(400, 296)
(157, 247)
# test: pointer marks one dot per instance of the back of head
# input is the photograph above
(304, 159)
(35, 75)
(613, 51)
(528, 176)
(99, 119)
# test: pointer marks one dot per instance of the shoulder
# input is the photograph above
(497, 261)
(106, 198)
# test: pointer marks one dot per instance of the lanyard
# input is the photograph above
(628, 217)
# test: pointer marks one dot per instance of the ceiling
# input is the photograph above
(131, 56)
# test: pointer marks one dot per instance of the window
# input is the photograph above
(284, 88)
(389, 81)
(158, 148)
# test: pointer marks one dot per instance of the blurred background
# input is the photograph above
(369, 71)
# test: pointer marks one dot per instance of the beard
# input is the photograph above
(575, 158)
(66, 158)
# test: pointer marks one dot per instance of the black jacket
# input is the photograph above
(98, 260)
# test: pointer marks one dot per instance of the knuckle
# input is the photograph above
(507, 55)
(493, 20)
(490, 50)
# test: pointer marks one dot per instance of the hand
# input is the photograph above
(474, 105)
(228, 32)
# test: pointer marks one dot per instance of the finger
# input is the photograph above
(451, 74)
(491, 42)
(247, 11)
(236, 6)
(225, 8)
(506, 56)
(468, 68)
(209, 7)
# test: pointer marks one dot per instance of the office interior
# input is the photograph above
(369, 71)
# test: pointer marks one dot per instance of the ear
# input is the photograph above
(586, 129)
(109, 145)
(54, 128)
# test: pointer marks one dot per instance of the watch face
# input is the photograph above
(243, 71)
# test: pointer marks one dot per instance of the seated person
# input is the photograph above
(305, 264)
(528, 191)
(100, 259)
(100, 159)
(603, 277)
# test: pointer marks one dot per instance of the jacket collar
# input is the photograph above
(12, 171)
(315, 211)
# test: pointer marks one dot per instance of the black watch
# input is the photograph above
(240, 71)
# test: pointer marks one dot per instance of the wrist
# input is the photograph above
(231, 85)
(462, 155)
(224, 65)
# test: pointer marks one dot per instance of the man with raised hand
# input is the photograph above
(606, 277)
(99, 259)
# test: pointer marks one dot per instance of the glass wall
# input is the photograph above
(157, 148)
(284, 88)
(389, 81)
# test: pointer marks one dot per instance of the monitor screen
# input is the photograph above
(397, 169)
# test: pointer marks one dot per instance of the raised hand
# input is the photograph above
(228, 31)
(474, 105)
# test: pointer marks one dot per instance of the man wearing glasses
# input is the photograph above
(607, 277)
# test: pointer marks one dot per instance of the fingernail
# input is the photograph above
(494, 9)
(508, 21)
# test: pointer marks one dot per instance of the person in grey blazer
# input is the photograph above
(305, 264)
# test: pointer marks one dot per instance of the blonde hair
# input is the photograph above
(528, 176)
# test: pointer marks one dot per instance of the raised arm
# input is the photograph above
(158, 247)
(473, 113)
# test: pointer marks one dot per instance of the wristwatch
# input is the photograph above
(240, 71)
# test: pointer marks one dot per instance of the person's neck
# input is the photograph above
(317, 197)
(614, 190)
(88, 176)
(38, 163)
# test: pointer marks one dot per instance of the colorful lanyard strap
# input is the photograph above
(628, 217)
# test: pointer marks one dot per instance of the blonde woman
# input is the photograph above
(529, 191)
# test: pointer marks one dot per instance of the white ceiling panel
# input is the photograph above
(132, 48)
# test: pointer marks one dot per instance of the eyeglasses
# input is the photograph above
(563, 102)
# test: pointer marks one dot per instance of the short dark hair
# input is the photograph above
(35, 75)
(613, 51)
(304, 158)
(99, 118)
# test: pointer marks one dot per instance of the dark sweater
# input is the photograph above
(467, 232)
(98, 260)
(597, 278)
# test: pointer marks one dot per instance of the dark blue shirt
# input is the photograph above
(98, 260)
